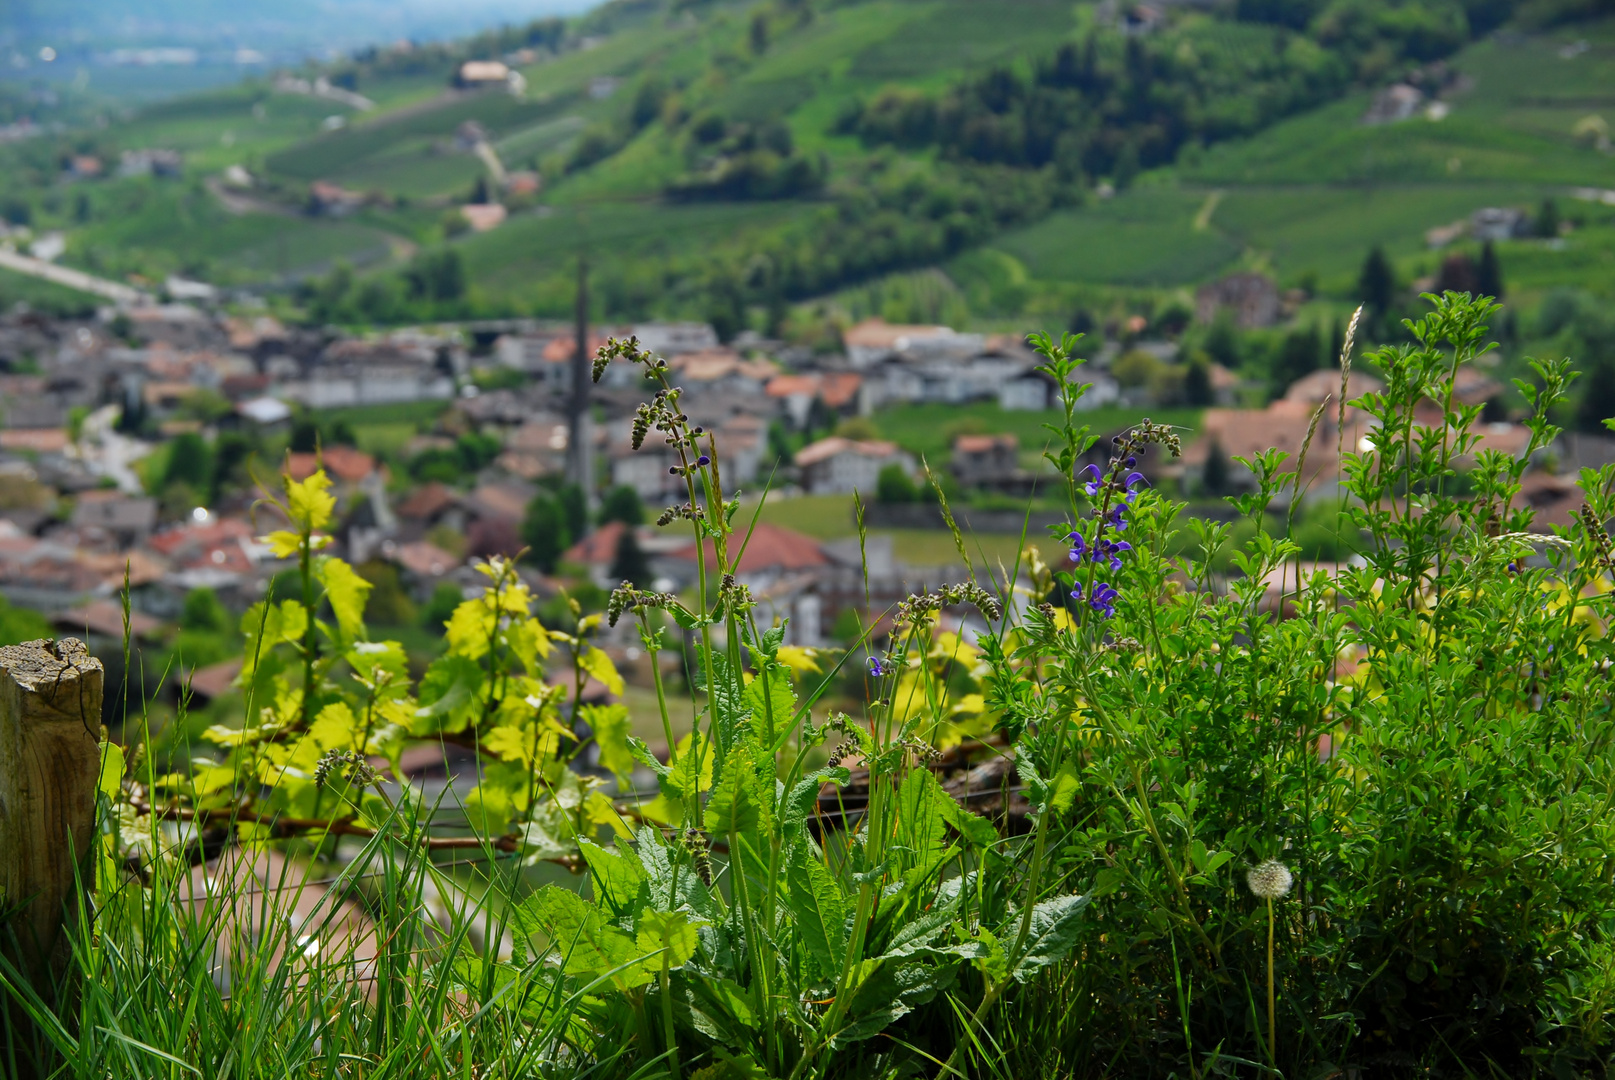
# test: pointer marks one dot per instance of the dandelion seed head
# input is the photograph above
(1270, 880)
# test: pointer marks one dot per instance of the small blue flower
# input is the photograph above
(1132, 482)
(1111, 550)
(1117, 518)
(1079, 546)
(703, 460)
(1103, 599)
(1076, 592)
(877, 668)
(1095, 479)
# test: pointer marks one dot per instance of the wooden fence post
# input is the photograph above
(50, 734)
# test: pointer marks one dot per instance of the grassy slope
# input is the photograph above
(1313, 193)
(1308, 196)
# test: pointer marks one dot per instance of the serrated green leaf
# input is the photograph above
(668, 934)
(804, 796)
(771, 699)
(739, 803)
(619, 880)
(589, 946)
(814, 899)
(1052, 935)
(641, 753)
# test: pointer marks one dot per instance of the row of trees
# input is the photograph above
(1114, 103)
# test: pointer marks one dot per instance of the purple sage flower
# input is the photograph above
(1079, 546)
(877, 669)
(703, 460)
(1131, 483)
(1104, 599)
(1095, 479)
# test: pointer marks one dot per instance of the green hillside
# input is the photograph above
(732, 159)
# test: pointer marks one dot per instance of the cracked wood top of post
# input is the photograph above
(45, 666)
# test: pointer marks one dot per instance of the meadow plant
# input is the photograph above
(1379, 799)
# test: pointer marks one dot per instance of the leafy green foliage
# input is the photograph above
(1422, 740)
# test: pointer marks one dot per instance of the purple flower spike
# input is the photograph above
(1096, 478)
(1104, 599)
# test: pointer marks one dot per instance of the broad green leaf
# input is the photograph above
(589, 946)
(346, 591)
(619, 880)
(384, 664)
(531, 742)
(598, 666)
(669, 934)
(471, 630)
(309, 502)
(886, 990)
(815, 899)
(1063, 791)
(599, 810)
(1052, 935)
(641, 753)
(728, 998)
(449, 693)
(529, 643)
(489, 808)
(611, 728)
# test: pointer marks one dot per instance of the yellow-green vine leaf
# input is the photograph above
(347, 592)
(670, 936)
(599, 666)
(309, 503)
(611, 730)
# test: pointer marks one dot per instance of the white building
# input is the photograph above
(841, 466)
(874, 340)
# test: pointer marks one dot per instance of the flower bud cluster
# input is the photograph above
(687, 512)
(627, 598)
(358, 769)
(917, 609)
(700, 849)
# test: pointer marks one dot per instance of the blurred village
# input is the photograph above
(138, 444)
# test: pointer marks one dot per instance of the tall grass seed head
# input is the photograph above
(1270, 879)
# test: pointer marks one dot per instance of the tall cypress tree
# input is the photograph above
(629, 562)
(1489, 274)
(1376, 285)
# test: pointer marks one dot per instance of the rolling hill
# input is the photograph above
(717, 157)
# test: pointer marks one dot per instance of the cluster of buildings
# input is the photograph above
(84, 402)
